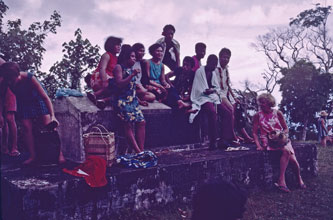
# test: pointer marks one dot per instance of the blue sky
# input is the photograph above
(218, 23)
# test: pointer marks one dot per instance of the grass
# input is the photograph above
(315, 202)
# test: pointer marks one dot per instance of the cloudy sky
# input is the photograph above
(219, 23)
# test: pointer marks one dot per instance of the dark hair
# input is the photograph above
(169, 27)
(153, 47)
(111, 42)
(125, 53)
(138, 46)
(200, 45)
(189, 60)
(225, 51)
(9, 70)
(222, 200)
(212, 59)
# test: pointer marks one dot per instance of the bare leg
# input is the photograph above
(12, 131)
(228, 132)
(29, 140)
(130, 136)
(246, 135)
(323, 141)
(4, 139)
(284, 160)
(297, 169)
(140, 134)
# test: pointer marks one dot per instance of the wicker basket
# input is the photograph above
(100, 142)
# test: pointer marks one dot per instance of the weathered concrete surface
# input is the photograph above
(164, 127)
(48, 193)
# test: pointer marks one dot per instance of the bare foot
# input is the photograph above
(101, 104)
(192, 111)
(15, 153)
(143, 103)
(29, 161)
(91, 97)
(61, 159)
(182, 104)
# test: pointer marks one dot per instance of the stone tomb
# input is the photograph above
(164, 127)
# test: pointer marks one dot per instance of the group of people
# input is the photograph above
(127, 80)
(22, 96)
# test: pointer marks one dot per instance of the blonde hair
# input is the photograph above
(266, 98)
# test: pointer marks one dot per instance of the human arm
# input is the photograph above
(255, 129)
(118, 76)
(282, 122)
(162, 78)
(168, 76)
(176, 47)
(103, 65)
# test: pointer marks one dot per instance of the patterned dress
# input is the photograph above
(127, 104)
(267, 123)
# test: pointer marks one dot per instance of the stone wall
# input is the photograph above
(164, 127)
(48, 193)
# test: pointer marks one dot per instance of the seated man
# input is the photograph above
(171, 47)
(183, 78)
(204, 95)
(200, 52)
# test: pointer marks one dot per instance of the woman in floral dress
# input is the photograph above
(126, 103)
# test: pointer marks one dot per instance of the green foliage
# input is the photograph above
(305, 91)
(79, 57)
(312, 17)
(25, 46)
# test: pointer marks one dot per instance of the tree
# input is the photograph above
(319, 43)
(79, 57)
(25, 46)
(306, 38)
(304, 92)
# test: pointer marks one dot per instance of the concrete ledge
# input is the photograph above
(48, 193)
(164, 127)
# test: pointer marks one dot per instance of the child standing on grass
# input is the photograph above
(32, 103)
(322, 128)
(266, 121)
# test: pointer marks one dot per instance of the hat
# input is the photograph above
(323, 113)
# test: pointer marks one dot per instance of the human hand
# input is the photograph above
(53, 118)
(136, 72)
(167, 86)
(260, 148)
(209, 91)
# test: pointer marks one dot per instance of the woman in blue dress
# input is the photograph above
(126, 103)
